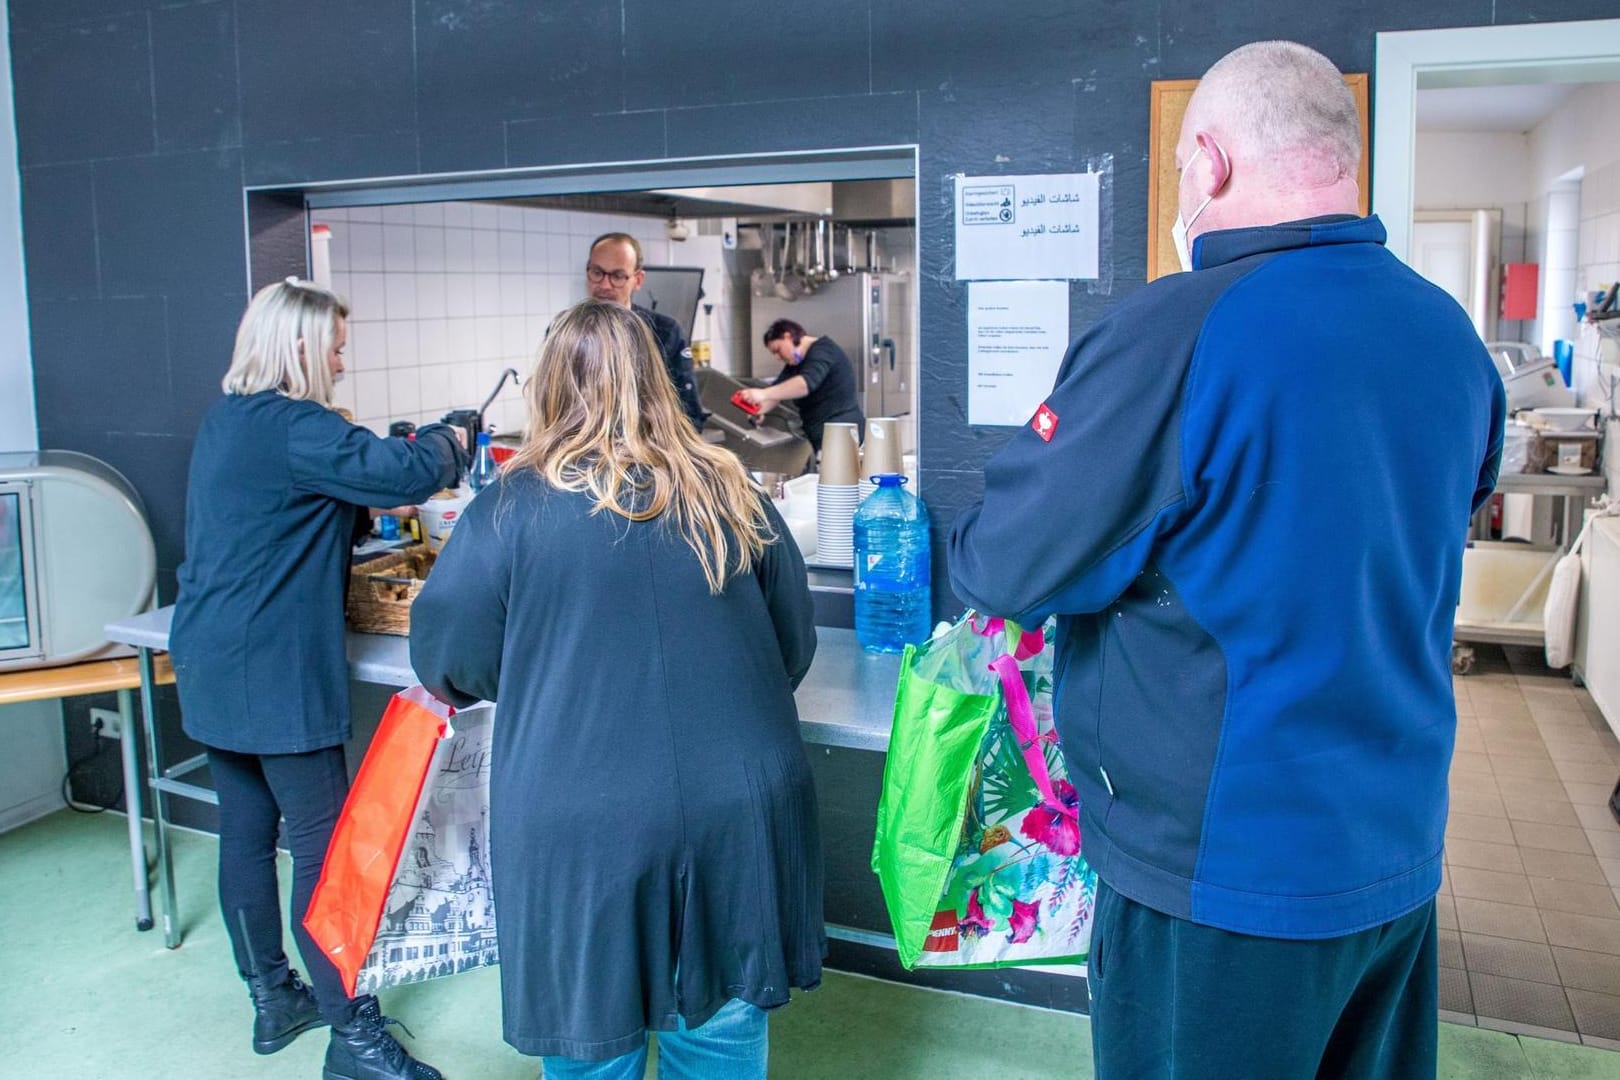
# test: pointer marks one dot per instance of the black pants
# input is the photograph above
(1173, 1000)
(255, 792)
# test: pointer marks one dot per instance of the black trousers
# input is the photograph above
(255, 792)
(1172, 1000)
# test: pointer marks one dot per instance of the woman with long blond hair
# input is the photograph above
(640, 615)
(279, 488)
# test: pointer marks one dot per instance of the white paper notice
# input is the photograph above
(1024, 227)
(1018, 332)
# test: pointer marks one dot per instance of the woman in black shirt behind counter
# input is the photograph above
(817, 374)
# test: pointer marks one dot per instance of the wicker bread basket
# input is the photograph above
(381, 590)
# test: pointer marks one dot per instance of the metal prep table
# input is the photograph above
(847, 701)
(1574, 491)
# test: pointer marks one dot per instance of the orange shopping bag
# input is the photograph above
(379, 814)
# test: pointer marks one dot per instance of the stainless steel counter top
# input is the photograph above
(846, 700)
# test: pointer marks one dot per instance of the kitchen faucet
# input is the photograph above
(516, 380)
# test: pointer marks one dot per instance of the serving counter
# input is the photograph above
(846, 701)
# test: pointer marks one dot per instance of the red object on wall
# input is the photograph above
(1519, 290)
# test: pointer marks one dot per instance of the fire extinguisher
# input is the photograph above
(1496, 516)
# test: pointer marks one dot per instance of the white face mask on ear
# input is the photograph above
(1178, 231)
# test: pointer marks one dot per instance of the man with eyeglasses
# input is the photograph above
(612, 275)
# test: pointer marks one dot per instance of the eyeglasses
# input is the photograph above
(596, 275)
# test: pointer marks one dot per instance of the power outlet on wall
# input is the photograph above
(107, 723)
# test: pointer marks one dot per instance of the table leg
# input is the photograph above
(160, 808)
(132, 811)
(1574, 510)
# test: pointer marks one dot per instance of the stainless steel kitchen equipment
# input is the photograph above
(868, 315)
(1531, 380)
(775, 445)
(673, 291)
(75, 554)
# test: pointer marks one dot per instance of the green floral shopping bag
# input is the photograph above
(978, 836)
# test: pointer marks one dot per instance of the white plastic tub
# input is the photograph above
(1504, 588)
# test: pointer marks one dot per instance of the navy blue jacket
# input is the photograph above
(1250, 520)
(677, 360)
(275, 491)
(649, 788)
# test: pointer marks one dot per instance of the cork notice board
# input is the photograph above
(1169, 103)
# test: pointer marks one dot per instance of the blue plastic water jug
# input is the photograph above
(483, 470)
(892, 601)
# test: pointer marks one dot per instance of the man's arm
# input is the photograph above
(1493, 455)
(678, 360)
(1073, 504)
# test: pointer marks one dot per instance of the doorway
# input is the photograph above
(1529, 910)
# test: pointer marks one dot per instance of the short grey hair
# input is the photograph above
(267, 356)
(1282, 100)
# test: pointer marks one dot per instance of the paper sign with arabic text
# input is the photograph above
(1027, 227)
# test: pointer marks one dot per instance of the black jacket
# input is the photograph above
(677, 358)
(834, 396)
(275, 489)
(653, 824)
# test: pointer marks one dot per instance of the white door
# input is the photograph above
(1443, 252)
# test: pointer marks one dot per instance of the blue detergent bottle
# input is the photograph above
(892, 577)
(483, 470)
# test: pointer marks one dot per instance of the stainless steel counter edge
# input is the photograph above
(847, 700)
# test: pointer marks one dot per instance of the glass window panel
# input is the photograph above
(13, 596)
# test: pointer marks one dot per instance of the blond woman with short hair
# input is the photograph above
(279, 489)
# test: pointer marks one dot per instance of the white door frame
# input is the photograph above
(1466, 56)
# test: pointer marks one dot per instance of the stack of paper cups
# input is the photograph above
(881, 454)
(837, 496)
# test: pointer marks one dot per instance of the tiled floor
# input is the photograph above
(1530, 906)
(86, 997)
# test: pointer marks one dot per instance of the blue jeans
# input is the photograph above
(732, 1045)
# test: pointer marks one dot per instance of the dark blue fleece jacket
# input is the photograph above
(1249, 517)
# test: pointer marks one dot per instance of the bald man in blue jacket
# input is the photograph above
(1246, 499)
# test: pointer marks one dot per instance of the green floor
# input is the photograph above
(85, 997)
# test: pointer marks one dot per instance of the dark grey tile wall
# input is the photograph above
(674, 54)
(195, 93)
(325, 68)
(83, 91)
(140, 122)
(59, 203)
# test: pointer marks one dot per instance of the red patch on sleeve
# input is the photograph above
(1045, 422)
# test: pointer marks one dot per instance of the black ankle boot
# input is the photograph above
(363, 1050)
(281, 1012)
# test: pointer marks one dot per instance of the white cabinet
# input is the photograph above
(1597, 627)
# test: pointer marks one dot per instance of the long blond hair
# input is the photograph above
(267, 356)
(604, 418)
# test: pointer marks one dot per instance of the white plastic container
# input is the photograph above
(1562, 420)
(439, 517)
(1504, 589)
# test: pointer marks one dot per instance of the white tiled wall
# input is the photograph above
(444, 296)
(1557, 239)
(1597, 366)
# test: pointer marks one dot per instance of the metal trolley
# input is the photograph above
(1505, 584)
